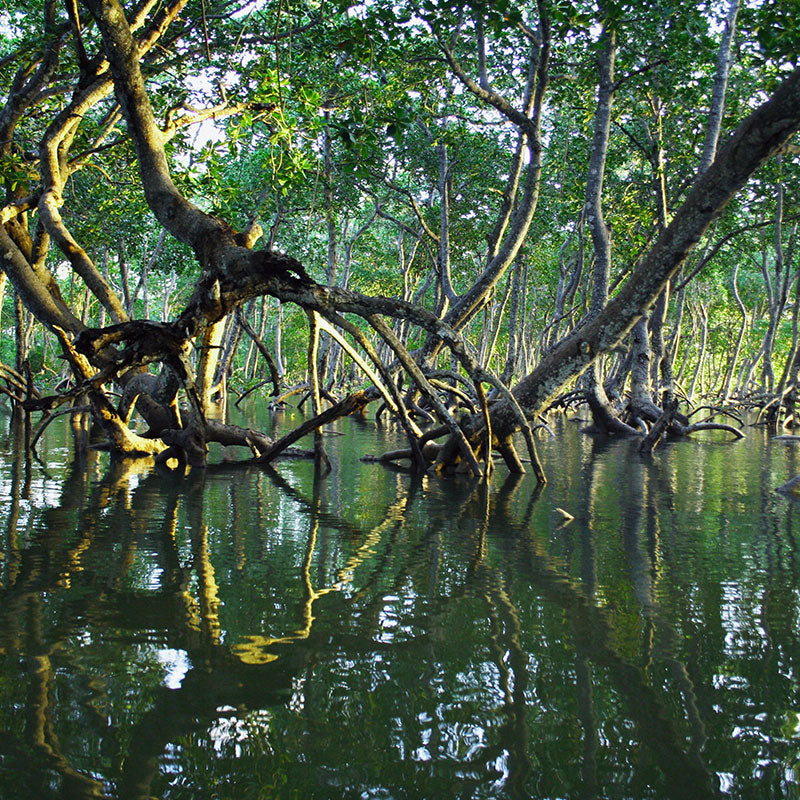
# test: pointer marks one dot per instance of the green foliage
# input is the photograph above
(345, 111)
(776, 29)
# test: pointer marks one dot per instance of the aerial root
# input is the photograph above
(446, 457)
(659, 427)
(348, 405)
(716, 411)
(712, 426)
(122, 438)
(510, 456)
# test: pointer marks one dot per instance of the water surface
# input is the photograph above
(258, 633)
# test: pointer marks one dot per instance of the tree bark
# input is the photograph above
(762, 134)
(602, 413)
(729, 373)
(720, 88)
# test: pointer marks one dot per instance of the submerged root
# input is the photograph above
(604, 419)
(430, 451)
(445, 458)
(659, 427)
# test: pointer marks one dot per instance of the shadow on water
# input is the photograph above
(243, 633)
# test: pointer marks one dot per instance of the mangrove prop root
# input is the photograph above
(348, 405)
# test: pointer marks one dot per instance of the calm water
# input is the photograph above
(251, 633)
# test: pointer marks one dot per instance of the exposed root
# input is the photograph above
(344, 407)
(604, 420)
(464, 448)
(43, 424)
(542, 425)
(320, 455)
(386, 387)
(568, 400)
(716, 411)
(659, 427)
(510, 456)
(455, 392)
(184, 443)
(16, 385)
(252, 389)
(712, 426)
(122, 438)
(274, 375)
(291, 392)
(430, 451)
(422, 413)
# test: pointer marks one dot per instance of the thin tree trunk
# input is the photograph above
(331, 266)
(335, 357)
(514, 334)
(719, 90)
(262, 328)
(593, 210)
(101, 316)
(595, 219)
(515, 214)
(168, 289)
(660, 366)
(703, 314)
(641, 394)
(675, 340)
(21, 334)
(446, 293)
(777, 292)
(280, 364)
(3, 284)
(264, 350)
(141, 286)
(122, 263)
(498, 313)
(726, 388)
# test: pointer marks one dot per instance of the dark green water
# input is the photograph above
(258, 634)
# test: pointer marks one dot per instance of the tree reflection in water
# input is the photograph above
(243, 633)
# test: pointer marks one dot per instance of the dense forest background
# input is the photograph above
(420, 204)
